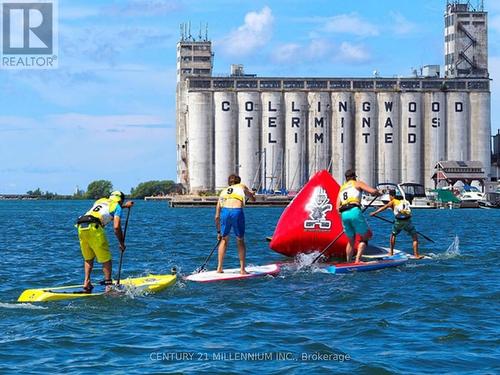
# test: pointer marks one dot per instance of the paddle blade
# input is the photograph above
(331, 269)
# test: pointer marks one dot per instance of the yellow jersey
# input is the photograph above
(349, 194)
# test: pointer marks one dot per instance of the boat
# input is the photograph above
(445, 198)
(490, 200)
(416, 195)
(147, 284)
(470, 196)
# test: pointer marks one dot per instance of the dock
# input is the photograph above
(211, 201)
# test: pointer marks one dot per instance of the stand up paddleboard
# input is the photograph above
(234, 274)
(151, 284)
(394, 261)
(377, 252)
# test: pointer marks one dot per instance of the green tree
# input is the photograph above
(99, 189)
(35, 193)
(150, 188)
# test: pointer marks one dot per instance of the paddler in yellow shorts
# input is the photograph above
(93, 241)
(229, 214)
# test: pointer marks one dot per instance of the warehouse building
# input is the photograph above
(275, 132)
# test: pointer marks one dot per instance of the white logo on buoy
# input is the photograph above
(318, 207)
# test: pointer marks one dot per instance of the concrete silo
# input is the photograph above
(389, 128)
(318, 136)
(250, 157)
(365, 136)
(296, 109)
(226, 112)
(434, 133)
(457, 119)
(480, 114)
(411, 137)
(273, 134)
(342, 134)
(200, 141)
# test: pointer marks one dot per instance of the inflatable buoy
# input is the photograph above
(311, 221)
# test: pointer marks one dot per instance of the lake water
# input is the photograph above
(435, 316)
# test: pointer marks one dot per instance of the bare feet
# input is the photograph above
(220, 271)
(419, 256)
(243, 272)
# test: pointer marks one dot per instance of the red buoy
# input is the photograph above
(311, 221)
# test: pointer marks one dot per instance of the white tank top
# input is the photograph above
(402, 209)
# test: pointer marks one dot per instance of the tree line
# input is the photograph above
(103, 188)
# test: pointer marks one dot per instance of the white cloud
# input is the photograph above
(401, 25)
(353, 53)
(351, 24)
(253, 34)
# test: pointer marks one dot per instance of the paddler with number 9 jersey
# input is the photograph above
(402, 214)
(93, 241)
(229, 214)
(349, 207)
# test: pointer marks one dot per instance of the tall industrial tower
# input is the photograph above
(194, 59)
(466, 40)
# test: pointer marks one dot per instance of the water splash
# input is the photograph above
(305, 260)
(453, 251)
(28, 306)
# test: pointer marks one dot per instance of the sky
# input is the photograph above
(108, 110)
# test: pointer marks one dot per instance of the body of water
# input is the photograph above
(438, 315)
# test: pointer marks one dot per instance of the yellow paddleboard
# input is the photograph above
(150, 283)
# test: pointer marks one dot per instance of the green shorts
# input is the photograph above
(93, 242)
(405, 225)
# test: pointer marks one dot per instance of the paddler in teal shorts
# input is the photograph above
(349, 207)
(402, 214)
(229, 215)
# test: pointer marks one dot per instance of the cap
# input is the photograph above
(350, 173)
(117, 196)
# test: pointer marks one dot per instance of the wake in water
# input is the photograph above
(28, 306)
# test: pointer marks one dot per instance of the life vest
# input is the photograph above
(349, 194)
(233, 192)
(104, 210)
(402, 209)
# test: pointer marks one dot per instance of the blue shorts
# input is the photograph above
(354, 223)
(232, 218)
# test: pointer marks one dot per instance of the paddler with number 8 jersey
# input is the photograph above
(93, 241)
(349, 208)
(229, 214)
(402, 214)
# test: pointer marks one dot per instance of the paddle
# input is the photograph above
(340, 234)
(121, 255)
(202, 268)
(392, 222)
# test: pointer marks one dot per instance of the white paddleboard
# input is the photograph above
(234, 274)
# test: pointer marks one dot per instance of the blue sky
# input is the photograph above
(108, 111)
